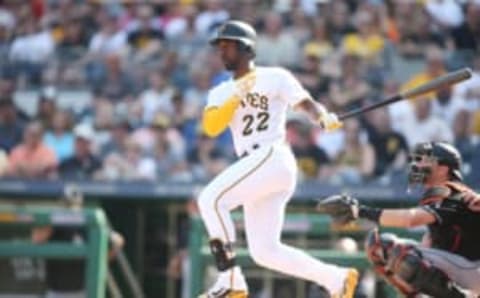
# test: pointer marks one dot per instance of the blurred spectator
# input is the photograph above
(66, 278)
(32, 158)
(116, 83)
(349, 88)
(206, 159)
(391, 148)
(299, 26)
(83, 164)
(446, 107)
(434, 67)
(60, 137)
(31, 50)
(119, 132)
(425, 127)
(338, 21)
(47, 106)
(74, 43)
(108, 40)
(128, 164)
(196, 95)
(3, 162)
(470, 91)
(7, 24)
(464, 141)
(465, 37)
(417, 36)
(70, 53)
(368, 42)
(356, 162)
(186, 41)
(145, 38)
(103, 113)
(161, 129)
(158, 98)
(319, 44)
(11, 126)
(194, 100)
(169, 165)
(214, 14)
(309, 72)
(312, 161)
(127, 15)
(275, 46)
(445, 13)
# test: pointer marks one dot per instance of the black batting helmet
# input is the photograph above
(443, 153)
(238, 31)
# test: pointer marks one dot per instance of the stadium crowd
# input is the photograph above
(144, 68)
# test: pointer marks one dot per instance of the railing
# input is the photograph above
(94, 250)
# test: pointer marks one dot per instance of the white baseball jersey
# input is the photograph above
(261, 117)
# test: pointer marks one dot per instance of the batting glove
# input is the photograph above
(329, 121)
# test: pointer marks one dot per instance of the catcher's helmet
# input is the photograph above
(236, 30)
(443, 153)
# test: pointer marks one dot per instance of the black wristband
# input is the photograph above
(370, 213)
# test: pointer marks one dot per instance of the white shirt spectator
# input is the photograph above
(7, 19)
(35, 48)
(154, 101)
(448, 111)
(280, 50)
(175, 27)
(206, 19)
(445, 12)
(428, 130)
(108, 44)
(469, 91)
(331, 142)
(146, 168)
(401, 113)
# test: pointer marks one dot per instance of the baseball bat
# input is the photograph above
(435, 84)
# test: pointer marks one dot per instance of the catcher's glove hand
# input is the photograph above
(342, 208)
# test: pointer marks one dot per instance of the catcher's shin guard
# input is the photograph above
(406, 263)
(377, 248)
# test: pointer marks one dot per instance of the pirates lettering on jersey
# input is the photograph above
(255, 121)
(255, 100)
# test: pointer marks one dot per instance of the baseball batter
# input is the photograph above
(254, 105)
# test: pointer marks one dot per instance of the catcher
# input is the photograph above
(447, 261)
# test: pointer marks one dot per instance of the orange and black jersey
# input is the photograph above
(456, 228)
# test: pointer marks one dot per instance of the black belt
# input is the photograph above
(246, 153)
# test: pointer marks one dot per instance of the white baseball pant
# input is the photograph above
(263, 183)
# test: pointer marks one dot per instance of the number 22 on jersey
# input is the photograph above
(258, 121)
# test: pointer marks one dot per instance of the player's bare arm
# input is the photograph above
(405, 218)
(318, 114)
(345, 209)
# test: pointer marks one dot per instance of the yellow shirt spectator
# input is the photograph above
(434, 67)
(363, 46)
(317, 49)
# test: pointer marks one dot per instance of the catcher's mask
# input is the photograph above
(425, 156)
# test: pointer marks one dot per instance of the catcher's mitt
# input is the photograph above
(342, 208)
